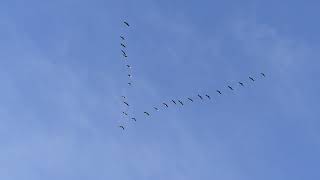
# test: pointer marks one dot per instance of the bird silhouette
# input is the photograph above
(251, 78)
(124, 55)
(121, 127)
(123, 97)
(174, 101)
(147, 113)
(129, 75)
(130, 84)
(122, 37)
(219, 92)
(155, 108)
(263, 74)
(165, 104)
(180, 102)
(126, 23)
(208, 96)
(200, 97)
(123, 52)
(123, 45)
(128, 66)
(230, 88)
(134, 119)
(126, 103)
(125, 113)
(241, 83)
(190, 99)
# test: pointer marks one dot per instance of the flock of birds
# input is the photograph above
(180, 102)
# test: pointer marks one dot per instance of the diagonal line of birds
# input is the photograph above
(123, 50)
(172, 102)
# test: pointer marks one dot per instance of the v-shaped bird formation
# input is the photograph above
(178, 101)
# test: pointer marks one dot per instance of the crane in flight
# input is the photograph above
(208, 96)
(126, 23)
(230, 88)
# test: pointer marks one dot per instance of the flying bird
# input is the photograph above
(126, 103)
(200, 97)
(147, 113)
(241, 83)
(129, 75)
(190, 99)
(230, 88)
(128, 66)
(155, 108)
(123, 97)
(165, 104)
(134, 119)
(208, 96)
(180, 102)
(251, 78)
(129, 84)
(173, 101)
(123, 45)
(125, 113)
(124, 53)
(121, 127)
(263, 74)
(126, 23)
(122, 37)
(219, 92)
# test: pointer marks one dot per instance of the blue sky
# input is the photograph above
(62, 76)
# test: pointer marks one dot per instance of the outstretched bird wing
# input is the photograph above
(190, 99)
(147, 113)
(121, 127)
(180, 102)
(251, 78)
(126, 23)
(208, 96)
(200, 96)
